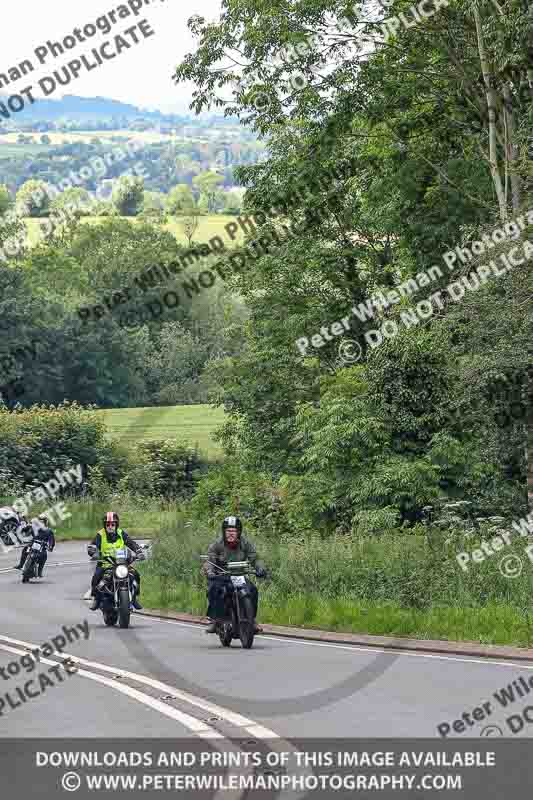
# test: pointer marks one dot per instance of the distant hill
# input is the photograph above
(81, 108)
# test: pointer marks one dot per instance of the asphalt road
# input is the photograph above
(182, 683)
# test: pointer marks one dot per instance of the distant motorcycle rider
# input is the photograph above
(39, 531)
(106, 542)
(232, 546)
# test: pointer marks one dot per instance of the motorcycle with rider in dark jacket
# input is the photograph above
(39, 531)
(232, 546)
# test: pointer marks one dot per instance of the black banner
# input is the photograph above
(217, 768)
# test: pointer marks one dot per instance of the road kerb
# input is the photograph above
(382, 642)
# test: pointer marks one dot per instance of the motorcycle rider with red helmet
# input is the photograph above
(106, 542)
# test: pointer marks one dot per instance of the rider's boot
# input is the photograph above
(135, 603)
(211, 628)
(95, 605)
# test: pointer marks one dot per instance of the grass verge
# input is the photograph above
(398, 585)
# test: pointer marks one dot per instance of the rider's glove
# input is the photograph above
(260, 572)
(141, 555)
(91, 549)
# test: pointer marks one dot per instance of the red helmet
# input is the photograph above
(110, 518)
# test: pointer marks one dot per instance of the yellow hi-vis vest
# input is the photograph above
(109, 548)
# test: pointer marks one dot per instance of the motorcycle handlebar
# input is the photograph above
(133, 556)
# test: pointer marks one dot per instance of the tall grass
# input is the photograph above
(396, 584)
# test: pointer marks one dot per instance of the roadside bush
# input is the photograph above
(163, 468)
(231, 489)
(34, 442)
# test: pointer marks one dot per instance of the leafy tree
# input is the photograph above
(128, 196)
(206, 185)
(5, 199)
(233, 202)
(72, 201)
(180, 200)
(103, 208)
(154, 201)
(33, 199)
(382, 159)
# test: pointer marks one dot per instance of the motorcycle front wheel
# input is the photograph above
(124, 608)
(246, 622)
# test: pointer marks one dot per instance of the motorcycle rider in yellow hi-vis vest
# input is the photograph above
(106, 542)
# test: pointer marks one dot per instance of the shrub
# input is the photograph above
(36, 441)
(163, 468)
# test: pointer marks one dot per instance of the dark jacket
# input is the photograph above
(219, 553)
(44, 535)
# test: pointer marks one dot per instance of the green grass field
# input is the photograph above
(210, 225)
(193, 424)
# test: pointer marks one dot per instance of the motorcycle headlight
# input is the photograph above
(121, 571)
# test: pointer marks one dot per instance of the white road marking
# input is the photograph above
(49, 564)
(361, 648)
(196, 726)
(250, 726)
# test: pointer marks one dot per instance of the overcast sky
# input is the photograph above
(141, 75)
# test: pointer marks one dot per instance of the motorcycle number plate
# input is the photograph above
(238, 580)
(36, 546)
